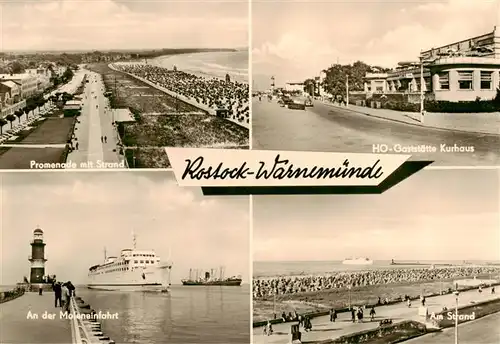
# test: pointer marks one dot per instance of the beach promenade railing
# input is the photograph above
(84, 331)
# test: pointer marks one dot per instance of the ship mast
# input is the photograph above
(134, 240)
(105, 257)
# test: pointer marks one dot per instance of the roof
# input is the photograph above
(72, 107)
(17, 76)
(123, 115)
(38, 230)
(73, 102)
(10, 84)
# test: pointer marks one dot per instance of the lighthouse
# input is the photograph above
(37, 257)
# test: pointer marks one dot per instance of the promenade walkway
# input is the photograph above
(486, 123)
(323, 329)
(95, 122)
(16, 328)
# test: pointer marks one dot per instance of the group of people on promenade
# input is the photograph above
(267, 287)
(214, 93)
(63, 293)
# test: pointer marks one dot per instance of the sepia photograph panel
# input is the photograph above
(115, 257)
(380, 267)
(114, 82)
(407, 77)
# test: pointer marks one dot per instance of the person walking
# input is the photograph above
(65, 296)
(372, 314)
(57, 293)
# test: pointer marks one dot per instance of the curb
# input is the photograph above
(414, 124)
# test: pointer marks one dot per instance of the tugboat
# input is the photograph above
(209, 280)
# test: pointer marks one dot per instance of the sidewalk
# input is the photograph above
(323, 329)
(484, 123)
(17, 328)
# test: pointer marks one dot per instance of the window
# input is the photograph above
(465, 80)
(142, 261)
(444, 81)
(135, 261)
(486, 80)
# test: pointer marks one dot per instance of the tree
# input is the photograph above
(16, 67)
(68, 74)
(2, 123)
(19, 114)
(309, 86)
(11, 118)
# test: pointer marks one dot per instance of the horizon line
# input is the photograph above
(113, 49)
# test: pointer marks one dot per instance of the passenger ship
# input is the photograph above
(357, 261)
(133, 270)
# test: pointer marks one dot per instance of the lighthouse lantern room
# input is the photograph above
(37, 258)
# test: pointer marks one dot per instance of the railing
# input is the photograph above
(84, 331)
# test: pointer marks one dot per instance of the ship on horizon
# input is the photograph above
(357, 261)
(209, 279)
(133, 270)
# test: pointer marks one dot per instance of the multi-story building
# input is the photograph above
(43, 77)
(27, 82)
(462, 71)
(10, 98)
(294, 86)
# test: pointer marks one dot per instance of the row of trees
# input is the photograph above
(66, 77)
(336, 78)
(31, 105)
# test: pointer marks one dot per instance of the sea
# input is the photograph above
(209, 65)
(269, 269)
(185, 315)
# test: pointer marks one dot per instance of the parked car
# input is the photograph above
(297, 104)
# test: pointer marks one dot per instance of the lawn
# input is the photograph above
(147, 158)
(20, 158)
(52, 131)
(195, 131)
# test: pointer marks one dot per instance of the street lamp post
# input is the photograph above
(349, 288)
(347, 92)
(421, 90)
(456, 316)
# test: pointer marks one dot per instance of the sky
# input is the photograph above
(295, 40)
(81, 213)
(433, 215)
(123, 24)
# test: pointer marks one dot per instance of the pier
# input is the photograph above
(33, 318)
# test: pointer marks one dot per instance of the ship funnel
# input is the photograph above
(207, 275)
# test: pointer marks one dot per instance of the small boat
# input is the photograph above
(357, 261)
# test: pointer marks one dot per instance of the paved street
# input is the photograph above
(323, 329)
(482, 331)
(95, 122)
(16, 328)
(332, 129)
